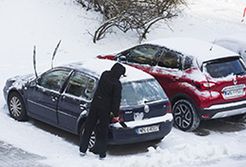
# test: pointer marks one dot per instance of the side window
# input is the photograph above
(53, 80)
(81, 85)
(188, 62)
(144, 54)
(170, 59)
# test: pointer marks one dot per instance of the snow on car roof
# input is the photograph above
(236, 45)
(96, 67)
(203, 51)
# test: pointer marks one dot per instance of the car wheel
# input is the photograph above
(185, 117)
(17, 107)
(92, 140)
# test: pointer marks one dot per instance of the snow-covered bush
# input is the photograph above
(137, 15)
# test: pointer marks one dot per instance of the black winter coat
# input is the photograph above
(108, 93)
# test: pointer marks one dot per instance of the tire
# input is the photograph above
(16, 106)
(185, 116)
(92, 140)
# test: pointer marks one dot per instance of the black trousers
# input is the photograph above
(97, 120)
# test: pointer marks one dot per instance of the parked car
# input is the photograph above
(202, 80)
(61, 97)
(235, 45)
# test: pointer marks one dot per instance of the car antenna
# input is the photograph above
(54, 53)
(34, 61)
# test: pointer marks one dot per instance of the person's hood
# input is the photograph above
(117, 70)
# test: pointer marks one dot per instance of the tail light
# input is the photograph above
(109, 57)
(168, 107)
(120, 116)
(204, 85)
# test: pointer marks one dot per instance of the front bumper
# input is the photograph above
(225, 110)
(119, 135)
(5, 94)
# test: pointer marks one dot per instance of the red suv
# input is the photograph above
(202, 80)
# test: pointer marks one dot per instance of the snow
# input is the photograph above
(233, 44)
(97, 66)
(201, 50)
(196, 74)
(43, 23)
(20, 81)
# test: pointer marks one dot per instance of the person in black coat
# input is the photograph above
(106, 101)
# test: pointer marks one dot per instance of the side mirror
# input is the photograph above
(122, 58)
(33, 83)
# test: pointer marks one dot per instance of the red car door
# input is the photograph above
(168, 71)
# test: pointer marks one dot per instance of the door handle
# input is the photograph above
(83, 106)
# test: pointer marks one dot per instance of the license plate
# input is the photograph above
(148, 129)
(234, 91)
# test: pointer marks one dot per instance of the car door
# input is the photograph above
(75, 100)
(143, 57)
(42, 98)
(168, 70)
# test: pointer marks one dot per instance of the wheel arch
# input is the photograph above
(197, 118)
(182, 96)
(23, 116)
(17, 91)
(21, 93)
(186, 97)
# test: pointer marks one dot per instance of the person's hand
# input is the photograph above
(116, 119)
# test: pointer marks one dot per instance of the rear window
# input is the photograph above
(137, 93)
(224, 67)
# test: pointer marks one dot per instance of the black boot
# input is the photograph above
(102, 156)
(82, 154)
(93, 150)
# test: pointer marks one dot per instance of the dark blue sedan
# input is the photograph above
(61, 97)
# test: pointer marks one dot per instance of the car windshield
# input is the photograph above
(224, 67)
(140, 92)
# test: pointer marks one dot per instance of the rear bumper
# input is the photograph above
(120, 135)
(225, 110)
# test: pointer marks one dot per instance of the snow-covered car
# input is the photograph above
(61, 97)
(236, 45)
(202, 80)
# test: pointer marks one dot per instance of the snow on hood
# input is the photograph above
(97, 66)
(201, 50)
(18, 82)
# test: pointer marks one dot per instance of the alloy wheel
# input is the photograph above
(183, 116)
(15, 106)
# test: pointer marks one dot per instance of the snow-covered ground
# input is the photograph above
(25, 23)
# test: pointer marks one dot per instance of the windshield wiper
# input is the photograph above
(148, 101)
(241, 73)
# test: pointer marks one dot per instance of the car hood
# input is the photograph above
(18, 82)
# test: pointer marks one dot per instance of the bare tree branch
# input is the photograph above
(137, 15)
